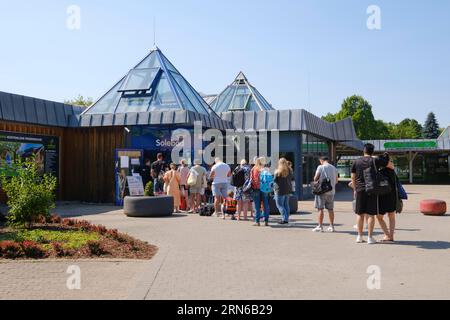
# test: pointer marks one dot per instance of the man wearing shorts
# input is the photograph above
(366, 204)
(326, 200)
(220, 175)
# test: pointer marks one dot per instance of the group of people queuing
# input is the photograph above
(237, 193)
(377, 192)
(248, 188)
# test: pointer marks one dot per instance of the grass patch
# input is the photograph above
(67, 238)
(71, 240)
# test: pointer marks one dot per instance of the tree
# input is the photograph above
(330, 117)
(80, 101)
(407, 129)
(383, 130)
(360, 111)
(431, 127)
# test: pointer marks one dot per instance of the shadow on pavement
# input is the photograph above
(428, 245)
(294, 225)
(302, 213)
(174, 216)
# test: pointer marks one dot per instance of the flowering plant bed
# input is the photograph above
(71, 239)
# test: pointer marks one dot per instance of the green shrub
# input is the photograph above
(30, 194)
(148, 192)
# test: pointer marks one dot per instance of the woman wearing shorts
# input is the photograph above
(197, 189)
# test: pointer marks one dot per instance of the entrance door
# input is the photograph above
(128, 162)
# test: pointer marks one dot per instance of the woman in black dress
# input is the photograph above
(387, 204)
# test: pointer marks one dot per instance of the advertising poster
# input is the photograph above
(15, 146)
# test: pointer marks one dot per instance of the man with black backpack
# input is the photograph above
(327, 177)
(368, 184)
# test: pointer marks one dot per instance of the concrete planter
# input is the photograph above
(293, 205)
(147, 207)
(433, 207)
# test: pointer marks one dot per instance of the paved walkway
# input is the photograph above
(208, 258)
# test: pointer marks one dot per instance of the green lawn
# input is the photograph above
(69, 239)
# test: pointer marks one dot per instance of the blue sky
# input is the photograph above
(402, 69)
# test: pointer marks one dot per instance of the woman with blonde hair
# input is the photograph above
(259, 196)
(283, 189)
(172, 178)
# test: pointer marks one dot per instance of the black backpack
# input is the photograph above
(376, 182)
(238, 177)
(322, 186)
(207, 210)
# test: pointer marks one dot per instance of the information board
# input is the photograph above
(135, 186)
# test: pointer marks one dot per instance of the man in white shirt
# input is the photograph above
(220, 175)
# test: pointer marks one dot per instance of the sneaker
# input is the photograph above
(359, 239)
(317, 229)
(371, 240)
(330, 229)
(266, 223)
(257, 224)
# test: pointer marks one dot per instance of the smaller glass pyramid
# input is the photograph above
(240, 96)
(154, 84)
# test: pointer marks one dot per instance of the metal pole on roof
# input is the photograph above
(309, 91)
(154, 31)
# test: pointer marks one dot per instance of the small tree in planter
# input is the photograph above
(148, 192)
(30, 194)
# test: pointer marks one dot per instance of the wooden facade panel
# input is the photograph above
(89, 163)
(86, 159)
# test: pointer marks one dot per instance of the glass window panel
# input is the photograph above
(133, 104)
(152, 61)
(193, 98)
(213, 104)
(264, 104)
(253, 106)
(169, 65)
(243, 90)
(139, 79)
(239, 102)
(226, 100)
(163, 97)
(184, 100)
(108, 103)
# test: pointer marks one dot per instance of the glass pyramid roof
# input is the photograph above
(240, 96)
(154, 84)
